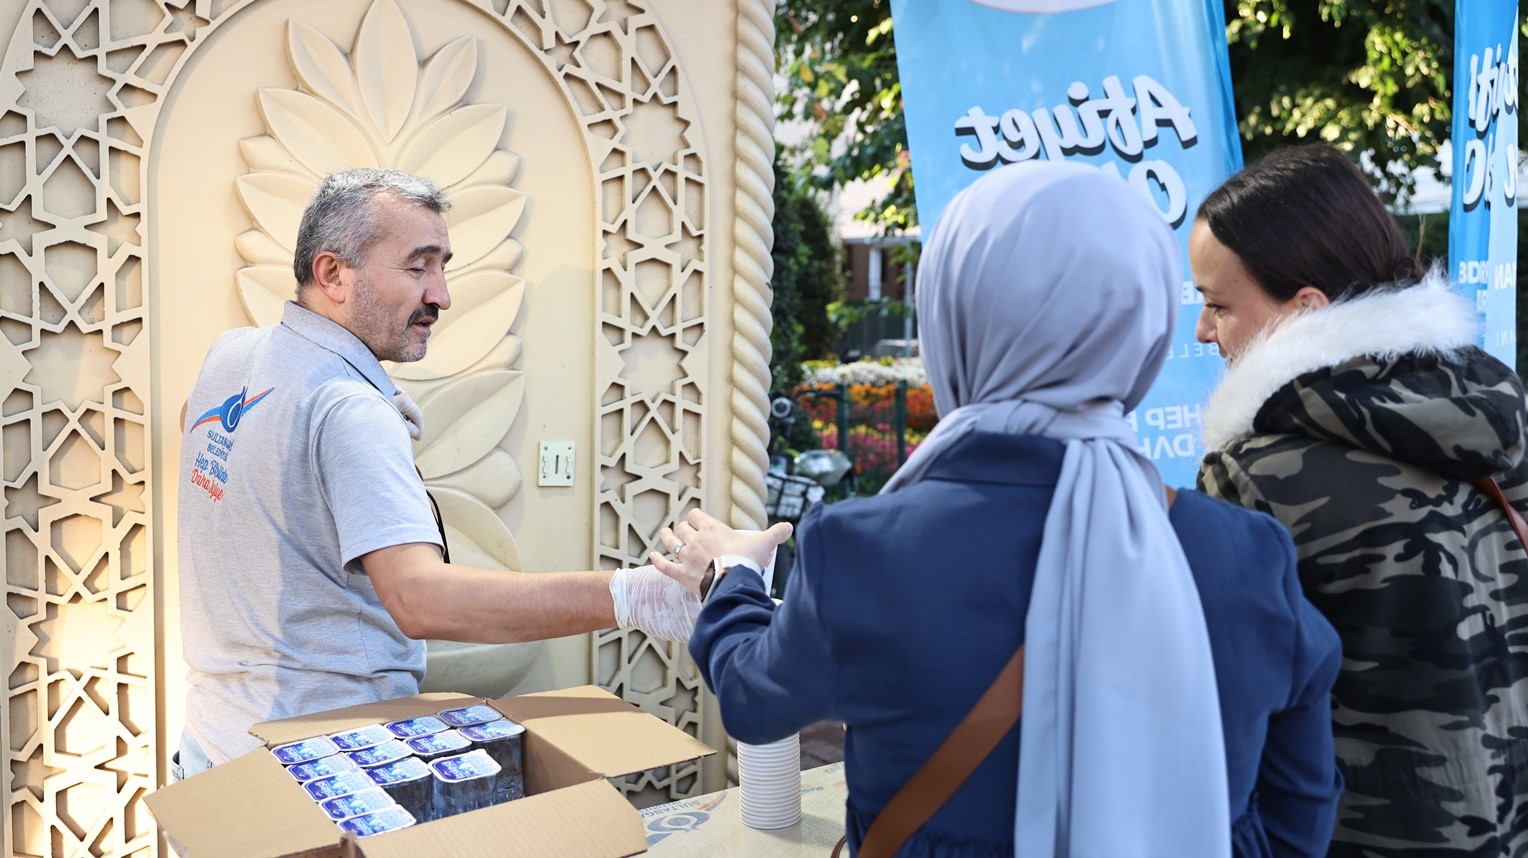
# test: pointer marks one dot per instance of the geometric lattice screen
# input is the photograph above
(80, 712)
(82, 86)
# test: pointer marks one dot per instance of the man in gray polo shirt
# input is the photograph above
(310, 560)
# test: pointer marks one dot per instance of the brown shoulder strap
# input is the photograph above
(951, 765)
(1494, 492)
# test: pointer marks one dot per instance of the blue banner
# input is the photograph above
(1139, 88)
(1482, 223)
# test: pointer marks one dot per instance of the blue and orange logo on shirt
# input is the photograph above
(232, 410)
(210, 469)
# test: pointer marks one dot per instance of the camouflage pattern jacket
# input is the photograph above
(1359, 426)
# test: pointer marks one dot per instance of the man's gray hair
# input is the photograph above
(343, 216)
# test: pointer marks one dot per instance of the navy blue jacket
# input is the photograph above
(902, 608)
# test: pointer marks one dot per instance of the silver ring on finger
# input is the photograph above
(678, 547)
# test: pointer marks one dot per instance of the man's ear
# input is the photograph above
(1310, 298)
(328, 277)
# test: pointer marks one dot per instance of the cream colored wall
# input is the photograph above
(132, 232)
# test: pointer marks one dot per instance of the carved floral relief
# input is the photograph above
(384, 106)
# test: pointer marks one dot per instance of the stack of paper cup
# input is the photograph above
(770, 777)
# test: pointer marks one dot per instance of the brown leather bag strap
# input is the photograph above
(1494, 492)
(951, 765)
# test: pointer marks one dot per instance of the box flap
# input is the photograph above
(590, 819)
(244, 808)
(321, 723)
(602, 732)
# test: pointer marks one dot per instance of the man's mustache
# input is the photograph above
(429, 311)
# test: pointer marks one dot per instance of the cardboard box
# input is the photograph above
(574, 739)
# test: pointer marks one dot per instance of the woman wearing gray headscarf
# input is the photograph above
(1175, 681)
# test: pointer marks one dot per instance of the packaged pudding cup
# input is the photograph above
(413, 728)
(379, 822)
(357, 804)
(436, 745)
(379, 755)
(463, 783)
(504, 740)
(335, 786)
(307, 750)
(322, 767)
(466, 716)
(360, 737)
(411, 784)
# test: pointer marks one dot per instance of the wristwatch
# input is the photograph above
(719, 567)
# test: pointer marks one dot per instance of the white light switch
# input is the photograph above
(556, 464)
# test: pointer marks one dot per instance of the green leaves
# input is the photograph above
(840, 69)
(807, 278)
(1369, 76)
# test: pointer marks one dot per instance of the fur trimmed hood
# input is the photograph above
(1428, 319)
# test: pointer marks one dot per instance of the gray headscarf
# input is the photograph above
(1046, 303)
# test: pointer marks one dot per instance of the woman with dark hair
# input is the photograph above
(1357, 409)
(1175, 684)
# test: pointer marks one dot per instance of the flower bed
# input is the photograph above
(874, 450)
(875, 372)
(872, 422)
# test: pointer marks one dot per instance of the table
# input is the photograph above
(709, 824)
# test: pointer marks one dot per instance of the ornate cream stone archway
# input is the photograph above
(670, 105)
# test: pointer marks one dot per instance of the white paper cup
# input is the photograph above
(769, 777)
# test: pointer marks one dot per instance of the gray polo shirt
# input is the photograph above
(294, 464)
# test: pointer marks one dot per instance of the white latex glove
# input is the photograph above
(411, 413)
(653, 603)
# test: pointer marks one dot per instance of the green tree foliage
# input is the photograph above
(840, 68)
(1366, 75)
(808, 277)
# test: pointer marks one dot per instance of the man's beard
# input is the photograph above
(373, 325)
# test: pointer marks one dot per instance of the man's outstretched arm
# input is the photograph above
(429, 598)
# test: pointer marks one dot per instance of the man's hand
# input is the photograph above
(651, 602)
(697, 540)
